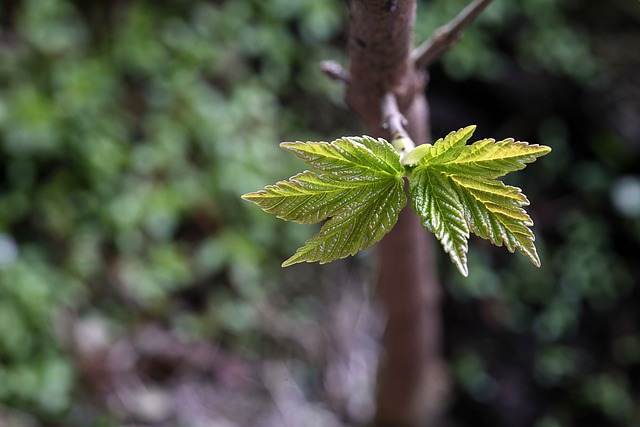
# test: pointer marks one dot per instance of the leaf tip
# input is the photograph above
(539, 150)
(466, 132)
(293, 259)
(536, 261)
(463, 269)
(531, 253)
(249, 196)
(286, 145)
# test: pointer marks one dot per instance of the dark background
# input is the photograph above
(136, 288)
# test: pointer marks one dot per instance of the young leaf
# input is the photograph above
(359, 225)
(490, 159)
(349, 159)
(416, 154)
(359, 190)
(448, 148)
(454, 190)
(442, 211)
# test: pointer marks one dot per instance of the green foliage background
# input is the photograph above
(127, 134)
(129, 129)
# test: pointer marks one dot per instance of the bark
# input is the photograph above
(412, 380)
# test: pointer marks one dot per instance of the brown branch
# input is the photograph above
(445, 37)
(379, 52)
(385, 86)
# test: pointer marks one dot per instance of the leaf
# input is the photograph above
(449, 147)
(454, 190)
(349, 159)
(306, 198)
(359, 190)
(495, 213)
(435, 199)
(358, 226)
(416, 154)
(490, 159)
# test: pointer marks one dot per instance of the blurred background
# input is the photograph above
(136, 288)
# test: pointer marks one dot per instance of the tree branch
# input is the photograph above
(392, 118)
(395, 122)
(446, 36)
(379, 52)
(384, 86)
(334, 71)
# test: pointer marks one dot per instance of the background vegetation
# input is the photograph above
(137, 288)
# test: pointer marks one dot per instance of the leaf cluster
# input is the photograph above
(359, 191)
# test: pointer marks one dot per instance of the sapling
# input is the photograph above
(357, 188)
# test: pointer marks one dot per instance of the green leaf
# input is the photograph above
(448, 148)
(359, 190)
(454, 190)
(434, 197)
(350, 159)
(359, 225)
(416, 154)
(306, 198)
(490, 159)
(494, 212)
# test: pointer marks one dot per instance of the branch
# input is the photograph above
(334, 71)
(392, 118)
(395, 122)
(445, 37)
(379, 57)
(412, 383)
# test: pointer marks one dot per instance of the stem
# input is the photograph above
(395, 122)
(446, 36)
(392, 118)
(379, 51)
(384, 85)
(334, 71)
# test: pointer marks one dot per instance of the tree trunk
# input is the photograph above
(412, 380)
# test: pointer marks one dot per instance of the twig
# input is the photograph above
(392, 118)
(445, 37)
(395, 122)
(334, 71)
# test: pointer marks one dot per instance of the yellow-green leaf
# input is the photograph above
(434, 197)
(361, 224)
(350, 158)
(359, 190)
(448, 148)
(454, 190)
(490, 159)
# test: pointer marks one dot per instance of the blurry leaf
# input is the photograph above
(611, 394)
(52, 26)
(15, 341)
(470, 371)
(558, 317)
(555, 362)
(56, 383)
(236, 316)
